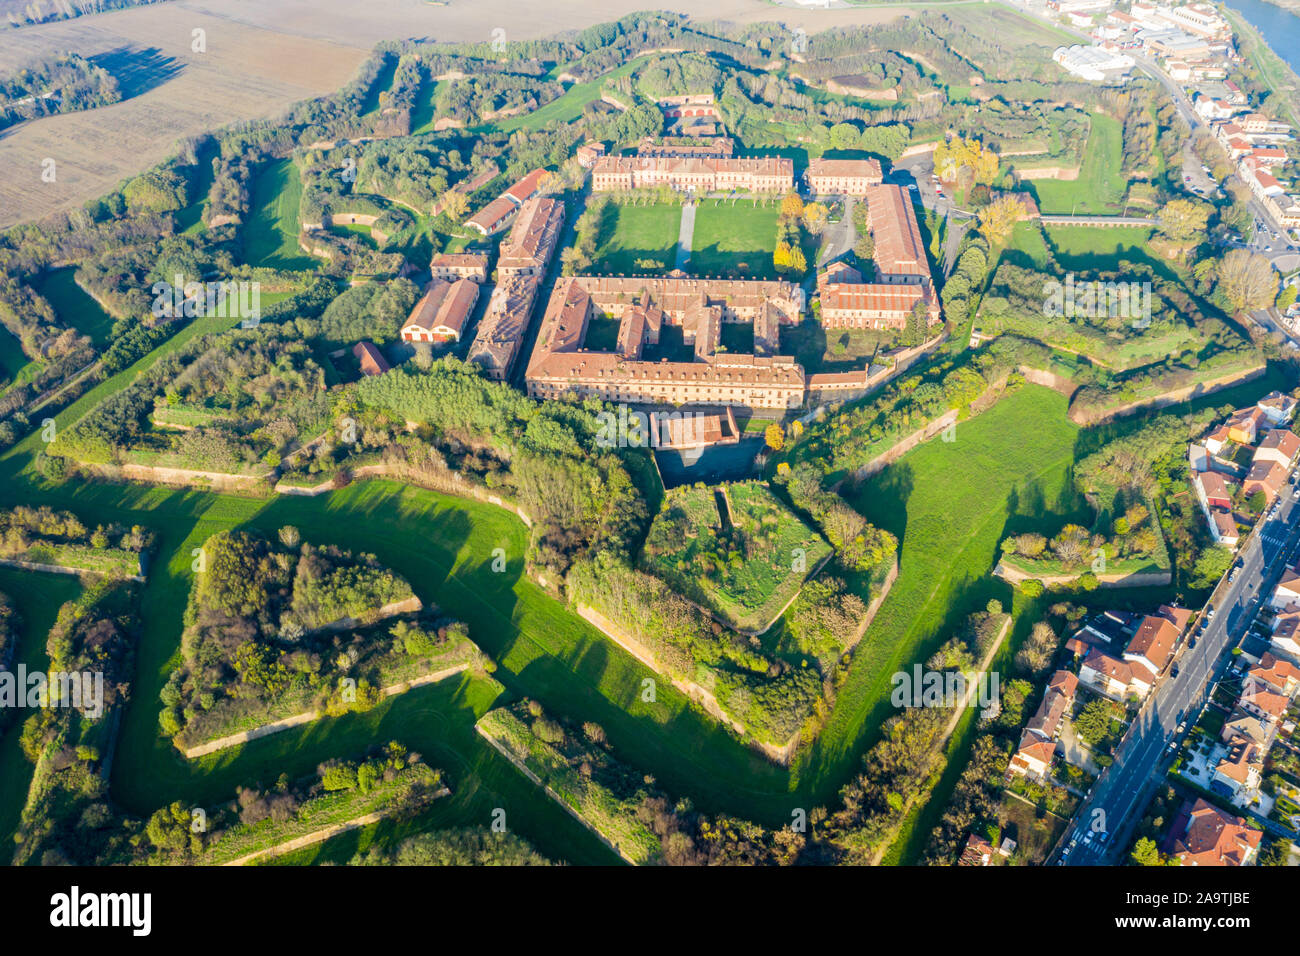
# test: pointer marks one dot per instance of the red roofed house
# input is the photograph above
(1106, 674)
(1260, 700)
(442, 312)
(1153, 644)
(1266, 476)
(372, 362)
(1216, 490)
(977, 852)
(1279, 446)
(1215, 838)
(1038, 743)
(1281, 676)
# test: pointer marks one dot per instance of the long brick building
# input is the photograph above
(532, 238)
(703, 174)
(902, 279)
(562, 365)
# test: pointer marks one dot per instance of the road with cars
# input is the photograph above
(1100, 830)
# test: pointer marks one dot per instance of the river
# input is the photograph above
(1280, 28)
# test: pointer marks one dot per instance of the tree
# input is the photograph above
(1211, 565)
(454, 204)
(999, 217)
(1182, 219)
(775, 436)
(1246, 281)
(814, 217)
(966, 161)
(1146, 853)
(1093, 723)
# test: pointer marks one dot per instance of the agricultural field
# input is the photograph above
(246, 72)
(735, 549)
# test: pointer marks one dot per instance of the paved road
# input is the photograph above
(685, 235)
(1143, 756)
(839, 237)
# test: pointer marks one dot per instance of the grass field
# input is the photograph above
(632, 233)
(271, 233)
(76, 308)
(735, 240)
(37, 598)
(1100, 188)
(14, 363)
(948, 503)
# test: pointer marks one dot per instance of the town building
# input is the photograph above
(528, 248)
(562, 365)
(503, 327)
(1215, 838)
(842, 177)
(902, 280)
(1094, 64)
(497, 214)
(459, 265)
(765, 174)
(442, 312)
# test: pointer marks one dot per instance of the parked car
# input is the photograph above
(1173, 671)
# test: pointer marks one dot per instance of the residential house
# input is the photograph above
(1279, 675)
(1157, 636)
(1284, 642)
(1239, 773)
(1244, 425)
(1248, 726)
(1287, 591)
(1216, 838)
(1278, 407)
(1114, 677)
(1216, 490)
(977, 852)
(1280, 446)
(1265, 476)
(1038, 742)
